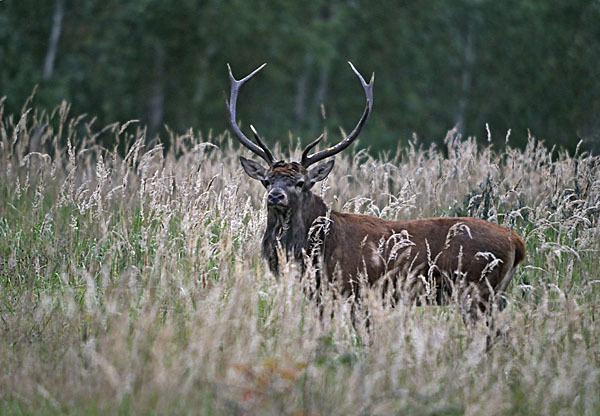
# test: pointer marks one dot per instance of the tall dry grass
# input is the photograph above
(135, 284)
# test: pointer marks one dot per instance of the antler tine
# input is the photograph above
(261, 149)
(308, 149)
(262, 144)
(368, 88)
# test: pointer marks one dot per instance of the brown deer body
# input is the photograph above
(445, 252)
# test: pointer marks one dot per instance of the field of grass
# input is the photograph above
(135, 284)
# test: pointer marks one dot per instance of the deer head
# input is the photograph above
(289, 183)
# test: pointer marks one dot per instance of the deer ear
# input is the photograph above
(253, 169)
(319, 172)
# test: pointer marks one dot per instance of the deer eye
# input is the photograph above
(266, 183)
(299, 184)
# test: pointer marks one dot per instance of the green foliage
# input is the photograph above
(519, 65)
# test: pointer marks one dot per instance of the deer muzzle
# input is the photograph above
(277, 198)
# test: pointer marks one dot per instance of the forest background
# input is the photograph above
(531, 67)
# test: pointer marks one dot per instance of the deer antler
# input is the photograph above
(262, 150)
(309, 160)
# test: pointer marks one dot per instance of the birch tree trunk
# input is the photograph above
(465, 79)
(157, 99)
(57, 18)
(302, 92)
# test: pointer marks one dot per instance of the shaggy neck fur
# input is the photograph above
(289, 230)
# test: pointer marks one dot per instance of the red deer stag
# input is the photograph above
(447, 252)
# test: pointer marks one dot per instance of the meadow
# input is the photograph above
(131, 281)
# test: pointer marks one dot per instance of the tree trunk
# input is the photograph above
(57, 18)
(302, 93)
(466, 77)
(157, 99)
(321, 92)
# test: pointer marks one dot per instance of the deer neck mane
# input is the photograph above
(289, 230)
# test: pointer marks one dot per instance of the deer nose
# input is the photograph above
(276, 197)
